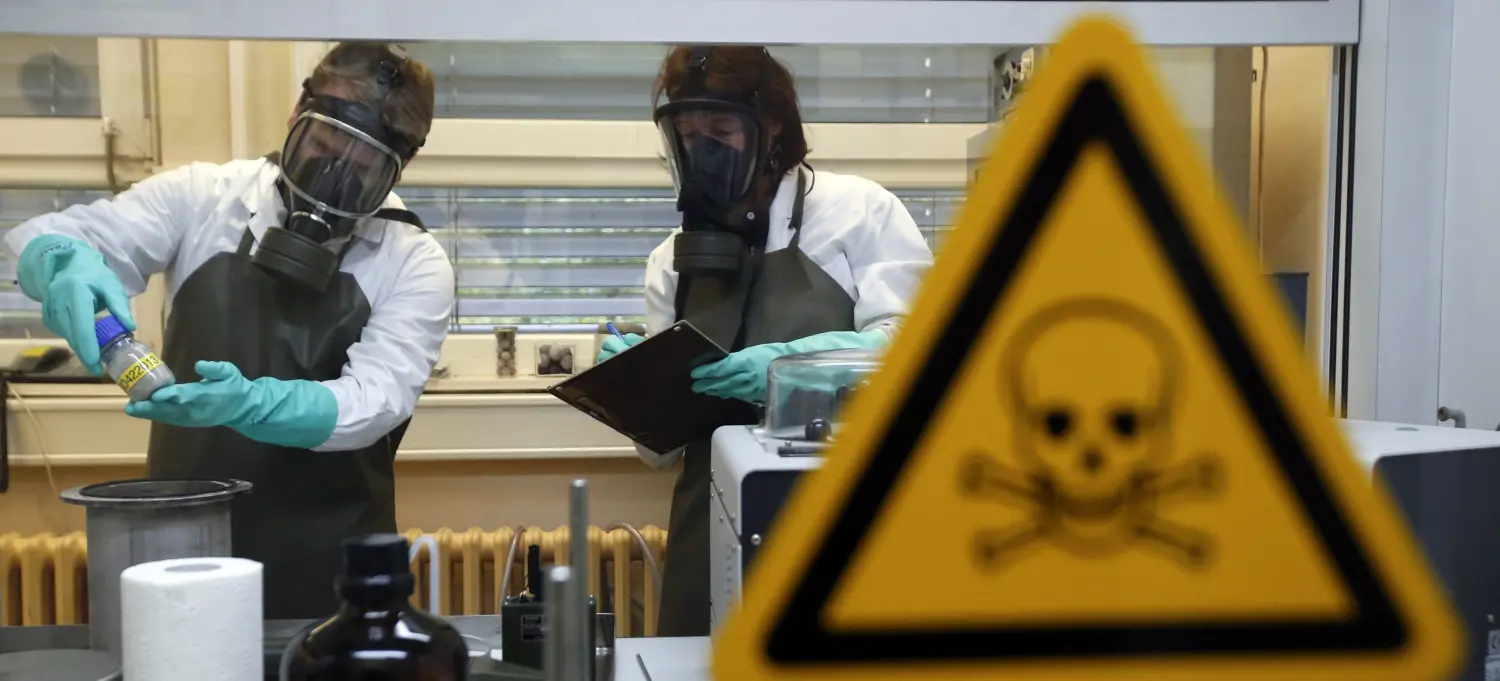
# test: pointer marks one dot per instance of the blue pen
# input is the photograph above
(615, 331)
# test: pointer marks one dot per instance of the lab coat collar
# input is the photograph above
(786, 193)
(264, 204)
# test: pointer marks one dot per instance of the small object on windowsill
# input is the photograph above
(439, 372)
(505, 351)
(554, 359)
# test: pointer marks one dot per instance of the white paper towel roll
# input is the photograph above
(192, 618)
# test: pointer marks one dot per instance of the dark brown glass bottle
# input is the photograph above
(377, 635)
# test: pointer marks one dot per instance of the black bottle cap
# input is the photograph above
(379, 562)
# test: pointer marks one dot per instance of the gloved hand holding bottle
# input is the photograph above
(615, 345)
(298, 414)
(72, 282)
(742, 375)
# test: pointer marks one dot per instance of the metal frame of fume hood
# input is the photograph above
(822, 22)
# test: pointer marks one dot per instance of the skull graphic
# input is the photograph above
(1091, 384)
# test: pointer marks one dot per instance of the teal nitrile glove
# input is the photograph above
(299, 414)
(69, 278)
(614, 346)
(742, 375)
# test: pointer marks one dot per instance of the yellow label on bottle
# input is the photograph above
(137, 371)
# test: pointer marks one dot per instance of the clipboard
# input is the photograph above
(646, 392)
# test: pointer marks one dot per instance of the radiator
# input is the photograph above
(44, 580)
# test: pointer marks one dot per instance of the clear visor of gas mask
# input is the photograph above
(711, 148)
(337, 168)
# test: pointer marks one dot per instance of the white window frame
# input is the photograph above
(829, 22)
(43, 151)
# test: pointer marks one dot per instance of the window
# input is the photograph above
(554, 258)
(836, 84)
(567, 259)
(49, 76)
(19, 316)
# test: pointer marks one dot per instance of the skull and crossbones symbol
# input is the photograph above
(1092, 384)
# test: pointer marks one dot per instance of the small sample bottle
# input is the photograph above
(131, 364)
(377, 635)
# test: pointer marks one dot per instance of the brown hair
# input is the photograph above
(741, 70)
(349, 70)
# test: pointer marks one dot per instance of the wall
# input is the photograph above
(474, 456)
(1469, 366)
(429, 495)
(1288, 183)
(1401, 144)
(467, 460)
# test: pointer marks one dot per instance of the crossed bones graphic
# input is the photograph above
(1116, 520)
(1092, 383)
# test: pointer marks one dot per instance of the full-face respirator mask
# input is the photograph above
(714, 145)
(338, 165)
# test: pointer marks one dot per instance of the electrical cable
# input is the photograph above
(434, 571)
(41, 438)
(510, 560)
(646, 556)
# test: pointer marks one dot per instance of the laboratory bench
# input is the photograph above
(635, 659)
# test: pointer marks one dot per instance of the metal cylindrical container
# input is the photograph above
(139, 521)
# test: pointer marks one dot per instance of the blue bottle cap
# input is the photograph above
(108, 329)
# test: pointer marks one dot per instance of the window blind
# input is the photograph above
(19, 316)
(49, 76)
(836, 84)
(554, 259)
(561, 259)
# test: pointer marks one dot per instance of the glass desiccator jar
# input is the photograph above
(131, 364)
(806, 393)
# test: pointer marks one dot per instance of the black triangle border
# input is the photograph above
(800, 637)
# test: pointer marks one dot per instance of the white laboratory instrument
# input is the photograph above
(755, 467)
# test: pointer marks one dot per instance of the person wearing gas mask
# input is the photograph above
(772, 258)
(306, 310)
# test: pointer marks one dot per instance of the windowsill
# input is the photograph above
(437, 386)
(490, 384)
(470, 420)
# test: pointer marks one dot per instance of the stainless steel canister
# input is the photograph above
(139, 521)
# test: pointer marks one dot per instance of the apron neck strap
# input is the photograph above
(247, 241)
(796, 221)
(344, 249)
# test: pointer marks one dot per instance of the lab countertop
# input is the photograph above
(278, 633)
(663, 659)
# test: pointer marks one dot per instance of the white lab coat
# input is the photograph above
(173, 222)
(856, 230)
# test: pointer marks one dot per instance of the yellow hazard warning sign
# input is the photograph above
(1095, 451)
